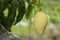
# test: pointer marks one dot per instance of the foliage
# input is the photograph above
(16, 11)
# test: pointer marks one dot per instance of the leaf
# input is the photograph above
(21, 11)
(1, 11)
(29, 9)
(35, 2)
(11, 14)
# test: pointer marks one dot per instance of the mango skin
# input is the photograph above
(40, 22)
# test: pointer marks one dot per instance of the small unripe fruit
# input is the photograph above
(40, 22)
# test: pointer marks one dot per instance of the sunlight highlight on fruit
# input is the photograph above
(40, 22)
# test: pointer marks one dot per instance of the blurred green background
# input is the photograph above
(52, 10)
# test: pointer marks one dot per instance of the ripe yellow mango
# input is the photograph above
(40, 22)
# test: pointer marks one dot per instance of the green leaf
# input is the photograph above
(29, 9)
(35, 2)
(11, 14)
(21, 11)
